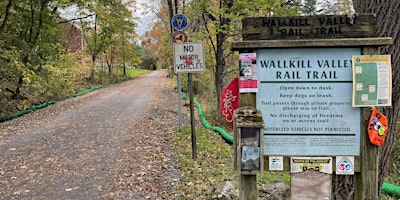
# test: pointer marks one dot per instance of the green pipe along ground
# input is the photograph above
(40, 106)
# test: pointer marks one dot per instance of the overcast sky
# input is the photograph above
(145, 15)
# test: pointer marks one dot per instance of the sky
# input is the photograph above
(145, 15)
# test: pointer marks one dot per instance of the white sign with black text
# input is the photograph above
(189, 57)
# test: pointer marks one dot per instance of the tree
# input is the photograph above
(7, 14)
(35, 66)
(221, 23)
(29, 39)
(109, 24)
(336, 7)
(387, 14)
(310, 7)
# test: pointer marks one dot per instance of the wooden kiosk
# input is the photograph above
(304, 67)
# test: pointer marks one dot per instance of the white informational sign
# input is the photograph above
(189, 57)
(305, 96)
(321, 164)
(275, 163)
(345, 165)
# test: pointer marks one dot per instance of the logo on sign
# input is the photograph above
(344, 165)
(180, 37)
(230, 100)
(179, 22)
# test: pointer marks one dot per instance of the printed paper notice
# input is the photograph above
(248, 80)
(321, 164)
(250, 158)
(372, 81)
(276, 163)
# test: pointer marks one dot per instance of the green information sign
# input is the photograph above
(372, 84)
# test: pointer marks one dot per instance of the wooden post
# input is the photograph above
(367, 180)
(248, 183)
(248, 187)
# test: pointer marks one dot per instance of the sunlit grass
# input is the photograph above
(133, 73)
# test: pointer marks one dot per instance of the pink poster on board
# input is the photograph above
(248, 79)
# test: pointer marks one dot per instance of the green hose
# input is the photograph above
(391, 190)
(40, 106)
(225, 135)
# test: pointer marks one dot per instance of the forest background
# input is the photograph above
(48, 55)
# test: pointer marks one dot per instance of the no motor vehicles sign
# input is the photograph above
(189, 57)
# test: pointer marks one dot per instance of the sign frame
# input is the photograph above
(311, 102)
(189, 57)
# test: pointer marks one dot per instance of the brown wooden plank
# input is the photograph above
(248, 183)
(309, 27)
(309, 43)
(367, 181)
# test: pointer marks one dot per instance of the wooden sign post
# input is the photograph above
(305, 90)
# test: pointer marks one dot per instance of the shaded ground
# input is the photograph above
(114, 143)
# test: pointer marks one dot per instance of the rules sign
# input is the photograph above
(189, 57)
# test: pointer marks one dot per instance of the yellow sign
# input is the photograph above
(180, 37)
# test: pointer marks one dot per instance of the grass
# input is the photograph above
(213, 166)
(133, 73)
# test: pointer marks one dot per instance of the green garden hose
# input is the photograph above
(40, 106)
(225, 135)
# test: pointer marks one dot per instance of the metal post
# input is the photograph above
(179, 101)
(194, 147)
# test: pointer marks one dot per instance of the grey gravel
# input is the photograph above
(113, 143)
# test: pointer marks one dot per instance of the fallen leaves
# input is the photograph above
(71, 189)
(133, 161)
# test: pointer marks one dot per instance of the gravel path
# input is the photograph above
(113, 143)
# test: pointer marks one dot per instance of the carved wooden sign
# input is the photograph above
(309, 27)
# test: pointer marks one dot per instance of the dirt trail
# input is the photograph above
(114, 143)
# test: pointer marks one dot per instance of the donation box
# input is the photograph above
(248, 144)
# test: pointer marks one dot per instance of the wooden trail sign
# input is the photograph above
(307, 27)
(291, 38)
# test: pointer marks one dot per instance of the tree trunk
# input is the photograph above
(220, 70)
(6, 16)
(387, 13)
(171, 14)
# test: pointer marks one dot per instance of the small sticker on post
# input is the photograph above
(345, 165)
